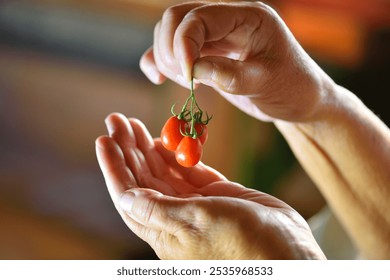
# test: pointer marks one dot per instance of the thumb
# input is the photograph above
(152, 209)
(228, 75)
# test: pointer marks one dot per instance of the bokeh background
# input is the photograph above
(66, 64)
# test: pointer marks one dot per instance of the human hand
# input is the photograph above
(244, 51)
(194, 213)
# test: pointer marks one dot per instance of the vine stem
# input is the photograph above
(194, 112)
(193, 96)
(192, 130)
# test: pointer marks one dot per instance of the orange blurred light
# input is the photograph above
(333, 36)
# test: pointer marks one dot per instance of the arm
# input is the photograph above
(347, 154)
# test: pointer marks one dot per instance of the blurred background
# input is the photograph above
(66, 64)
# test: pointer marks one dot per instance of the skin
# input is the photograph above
(253, 60)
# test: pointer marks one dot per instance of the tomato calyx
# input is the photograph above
(193, 115)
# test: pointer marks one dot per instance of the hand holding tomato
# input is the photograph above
(194, 213)
(245, 52)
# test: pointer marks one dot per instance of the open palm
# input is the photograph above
(194, 213)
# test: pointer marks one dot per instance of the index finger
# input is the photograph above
(160, 62)
(214, 22)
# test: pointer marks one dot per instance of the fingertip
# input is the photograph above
(106, 146)
(139, 126)
(136, 121)
(113, 117)
(148, 66)
(152, 73)
(113, 120)
(102, 141)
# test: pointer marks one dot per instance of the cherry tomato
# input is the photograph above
(170, 133)
(201, 130)
(189, 151)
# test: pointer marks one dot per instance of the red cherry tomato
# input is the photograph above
(189, 151)
(170, 133)
(201, 130)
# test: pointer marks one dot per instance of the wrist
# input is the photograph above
(329, 103)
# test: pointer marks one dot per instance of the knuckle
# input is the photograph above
(192, 15)
(169, 13)
(166, 65)
(264, 10)
(203, 213)
(263, 7)
(172, 13)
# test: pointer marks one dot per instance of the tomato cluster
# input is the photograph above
(175, 136)
(186, 132)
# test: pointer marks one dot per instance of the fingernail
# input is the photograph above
(127, 201)
(186, 73)
(203, 70)
(109, 125)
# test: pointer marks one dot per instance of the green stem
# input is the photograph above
(192, 114)
(192, 130)
(193, 96)
(192, 87)
(185, 105)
